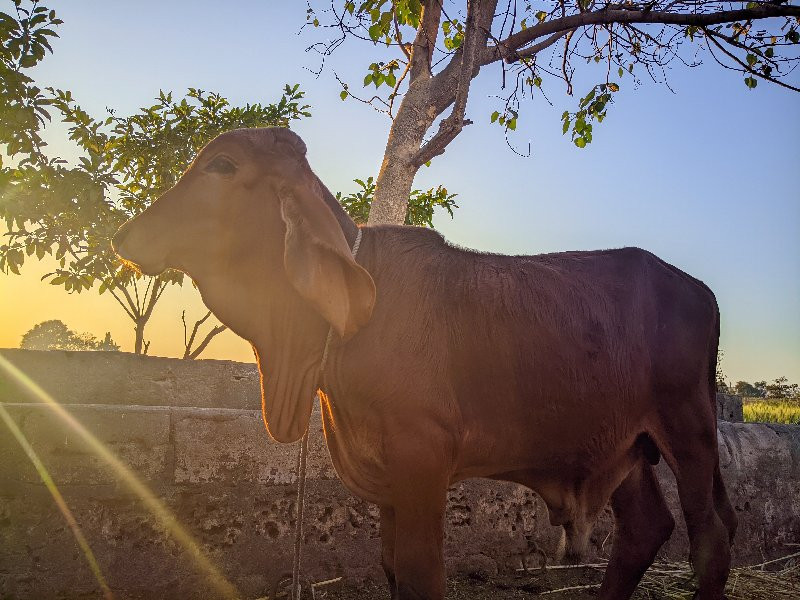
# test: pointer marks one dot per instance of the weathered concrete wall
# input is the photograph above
(234, 488)
(129, 379)
(730, 408)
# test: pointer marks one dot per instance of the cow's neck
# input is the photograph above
(349, 228)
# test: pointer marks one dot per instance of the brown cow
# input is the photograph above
(568, 373)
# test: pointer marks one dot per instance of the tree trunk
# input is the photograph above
(393, 187)
(138, 347)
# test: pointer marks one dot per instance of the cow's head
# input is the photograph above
(248, 222)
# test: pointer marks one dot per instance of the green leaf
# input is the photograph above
(512, 124)
(750, 82)
(495, 115)
(343, 94)
(541, 16)
(565, 128)
(580, 142)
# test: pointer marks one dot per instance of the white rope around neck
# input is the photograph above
(302, 459)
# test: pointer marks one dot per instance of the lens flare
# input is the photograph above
(59, 500)
(162, 514)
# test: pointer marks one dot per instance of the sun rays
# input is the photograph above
(58, 499)
(163, 515)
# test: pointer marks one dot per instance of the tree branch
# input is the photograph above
(122, 304)
(399, 38)
(206, 341)
(154, 296)
(606, 16)
(188, 352)
(188, 344)
(133, 313)
(425, 42)
(745, 68)
(543, 45)
(480, 14)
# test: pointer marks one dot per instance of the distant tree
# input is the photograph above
(761, 386)
(747, 390)
(107, 344)
(55, 335)
(781, 388)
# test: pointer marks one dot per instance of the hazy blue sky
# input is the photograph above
(705, 177)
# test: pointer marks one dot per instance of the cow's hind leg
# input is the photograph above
(722, 505)
(642, 524)
(688, 442)
(387, 547)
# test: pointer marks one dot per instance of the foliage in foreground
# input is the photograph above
(69, 212)
(72, 212)
(421, 204)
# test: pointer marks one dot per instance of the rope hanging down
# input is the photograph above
(300, 467)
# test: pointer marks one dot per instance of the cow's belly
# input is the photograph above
(574, 464)
(566, 438)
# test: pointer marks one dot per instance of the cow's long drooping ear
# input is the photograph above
(319, 263)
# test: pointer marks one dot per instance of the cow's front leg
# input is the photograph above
(419, 533)
(419, 552)
(387, 547)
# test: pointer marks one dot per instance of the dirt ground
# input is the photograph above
(521, 585)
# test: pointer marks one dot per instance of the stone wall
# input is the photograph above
(191, 431)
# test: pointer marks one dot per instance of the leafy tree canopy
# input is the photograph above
(23, 106)
(421, 204)
(71, 211)
(427, 52)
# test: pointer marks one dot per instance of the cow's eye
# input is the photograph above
(222, 165)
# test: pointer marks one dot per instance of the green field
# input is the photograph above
(778, 410)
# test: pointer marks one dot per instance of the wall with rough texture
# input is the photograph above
(730, 408)
(191, 431)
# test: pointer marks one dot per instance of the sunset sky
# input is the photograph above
(706, 176)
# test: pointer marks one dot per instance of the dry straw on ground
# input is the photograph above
(777, 579)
